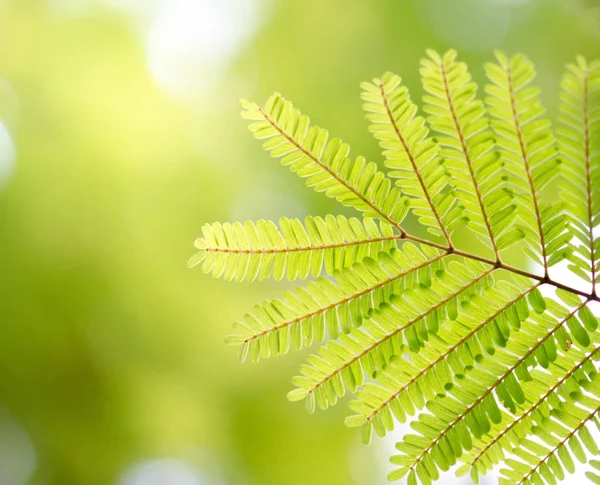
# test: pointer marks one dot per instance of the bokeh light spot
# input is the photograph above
(190, 42)
(17, 455)
(162, 471)
(7, 155)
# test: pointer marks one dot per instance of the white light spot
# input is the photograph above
(140, 13)
(7, 155)
(191, 42)
(164, 471)
(17, 455)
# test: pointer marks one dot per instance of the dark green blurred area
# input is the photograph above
(111, 350)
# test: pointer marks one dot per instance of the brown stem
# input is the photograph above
(525, 157)
(511, 369)
(345, 300)
(468, 161)
(450, 350)
(413, 162)
(434, 308)
(535, 406)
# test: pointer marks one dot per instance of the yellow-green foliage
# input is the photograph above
(462, 344)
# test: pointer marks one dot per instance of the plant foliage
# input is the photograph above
(490, 369)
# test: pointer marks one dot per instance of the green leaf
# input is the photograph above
(537, 301)
(495, 370)
(588, 319)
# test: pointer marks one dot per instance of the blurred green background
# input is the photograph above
(119, 138)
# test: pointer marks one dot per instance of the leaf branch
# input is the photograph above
(408, 324)
(465, 150)
(303, 248)
(447, 249)
(588, 174)
(325, 167)
(560, 445)
(451, 349)
(510, 370)
(535, 406)
(525, 157)
(306, 316)
(413, 163)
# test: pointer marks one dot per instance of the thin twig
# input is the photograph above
(469, 162)
(525, 157)
(394, 237)
(446, 249)
(511, 369)
(413, 162)
(391, 279)
(396, 331)
(451, 349)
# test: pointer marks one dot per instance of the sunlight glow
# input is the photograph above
(7, 155)
(17, 455)
(191, 42)
(162, 471)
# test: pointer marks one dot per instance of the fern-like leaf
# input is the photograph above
(467, 146)
(579, 139)
(324, 163)
(492, 364)
(249, 251)
(467, 411)
(305, 315)
(405, 386)
(528, 150)
(558, 387)
(411, 155)
(409, 318)
(562, 436)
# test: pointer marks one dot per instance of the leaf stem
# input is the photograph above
(525, 157)
(510, 370)
(542, 279)
(560, 445)
(465, 150)
(325, 167)
(345, 300)
(394, 237)
(588, 175)
(452, 349)
(535, 406)
(413, 162)
(411, 322)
